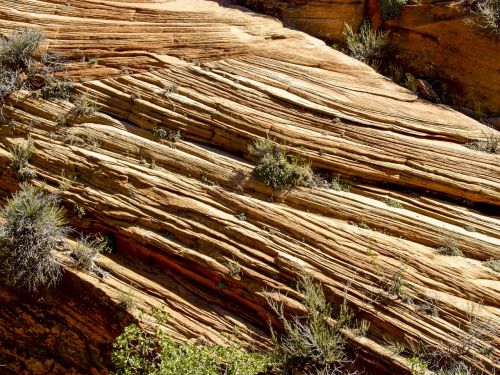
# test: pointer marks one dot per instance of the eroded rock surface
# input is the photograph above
(224, 77)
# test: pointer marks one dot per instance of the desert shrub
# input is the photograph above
(477, 335)
(490, 143)
(338, 185)
(450, 247)
(486, 14)
(494, 264)
(391, 8)
(367, 45)
(393, 203)
(32, 226)
(83, 106)
(58, 89)
(170, 135)
(278, 169)
(138, 352)
(86, 252)
(20, 156)
(16, 52)
(312, 343)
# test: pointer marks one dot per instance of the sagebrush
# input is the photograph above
(32, 227)
(313, 343)
(367, 45)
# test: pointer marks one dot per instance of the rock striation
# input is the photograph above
(223, 76)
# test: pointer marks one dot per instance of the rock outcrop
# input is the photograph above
(434, 40)
(223, 77)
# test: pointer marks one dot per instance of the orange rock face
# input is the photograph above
(224, 77)
(437, 40)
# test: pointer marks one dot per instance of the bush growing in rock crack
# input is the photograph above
(20, 156)
(391, 8)
(20, 69)
(367, 45)
(86, 252)
(312, 343)
(32, 227)
(279, 169)
(485, 15)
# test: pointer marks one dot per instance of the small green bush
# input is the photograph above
(57, 89)
(20, 157)
(170, 135)
(32, 226)
(338, 185)
(367, 45)
(494, 264)
(391, 8)
(278, 169)
(313, 342)
(138, 352)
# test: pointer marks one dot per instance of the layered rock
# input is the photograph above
(224, 77)
(433, 39)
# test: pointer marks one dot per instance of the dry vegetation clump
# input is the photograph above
(83, 107)
(20, 156)
(86, 252)
(32, 227)
(485, 15)
(314, 343)
(279, 169)
(367, 45)
(21, 69)
(490, 143)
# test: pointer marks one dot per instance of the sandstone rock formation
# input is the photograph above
(433, 39)
(224, 76)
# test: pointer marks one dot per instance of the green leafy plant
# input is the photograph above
(367, 45)
(391, 8)
(137, 352)
(278, 169)
(169, 135)
(32, 227)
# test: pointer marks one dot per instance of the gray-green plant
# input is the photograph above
(20, 156)
(367, 45)
(279, 169)
(32, 227)
(87, 250)
(314, 341)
